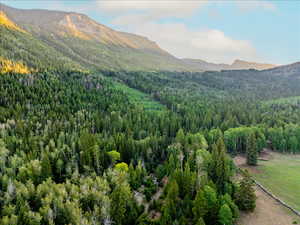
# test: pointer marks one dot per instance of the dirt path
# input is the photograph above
(267, 212)
(154, 197)
(140, 198)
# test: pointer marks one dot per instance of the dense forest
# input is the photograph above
(138, 147)
(101, 127)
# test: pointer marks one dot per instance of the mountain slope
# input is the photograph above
(236, 65)
(89, 44)
(4, 21)
(206, 66)
(241, 65)
(19, 46)
(291, 70)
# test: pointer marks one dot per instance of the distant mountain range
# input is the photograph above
(55, 39)
(236, 65)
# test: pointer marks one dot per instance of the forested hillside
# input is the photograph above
(117, 131)
(78, 148)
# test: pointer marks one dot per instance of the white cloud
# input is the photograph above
(147, 10)
(159, 8)
(249, 5)
(162, 8)
(142, 17)
(210, 45)
(174, 8)
(130, 21)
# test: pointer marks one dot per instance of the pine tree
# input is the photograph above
(200, 221)
(226, 199)
(225, 215)
(120, 200)
(180, 137)
(251, 150)
(200, 206)
(219, 169)
(87, 146)
(46, 167)
(205, 205)
(245, 197)
(169, 209)
(293, 144)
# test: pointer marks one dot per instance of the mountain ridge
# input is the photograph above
(236, 65)
(290, 70)
(91, 44)
(88, 44)
(73, 22)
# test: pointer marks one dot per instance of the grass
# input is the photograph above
(139, 98)
(281, 175)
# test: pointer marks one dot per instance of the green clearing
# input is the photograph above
(139, 98)
(281, 175)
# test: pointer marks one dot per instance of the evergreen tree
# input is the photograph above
(245, 197)
(251, 150)
(225, 215)
(293, 144)
(170, 207)
(87, 146)
(219, 168)
(46, 167)
(180, 137)
(201, 207)
(209, 206)
(200, 221)
(121, 197)
(226, 199)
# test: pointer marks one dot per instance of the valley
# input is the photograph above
(101, 127)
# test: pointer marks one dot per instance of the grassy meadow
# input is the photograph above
(139, 98)
(281, 175)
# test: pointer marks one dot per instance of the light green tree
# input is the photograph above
(225, 215)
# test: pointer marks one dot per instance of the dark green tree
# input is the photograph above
(245, 196)
(219, 168)
(200, 206)
(200, 221)
(251, 150)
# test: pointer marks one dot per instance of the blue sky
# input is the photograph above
(216, 31)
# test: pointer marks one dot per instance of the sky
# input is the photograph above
(213, 30)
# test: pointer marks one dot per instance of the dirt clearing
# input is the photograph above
(268, 212)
